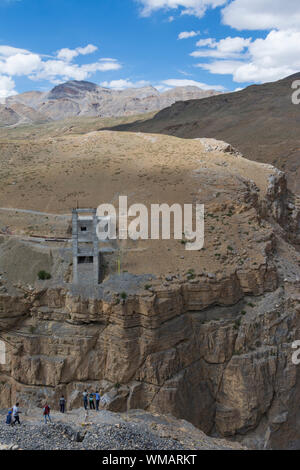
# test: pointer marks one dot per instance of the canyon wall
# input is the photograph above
(206, 350)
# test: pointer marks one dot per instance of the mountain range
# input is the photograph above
(81, 98)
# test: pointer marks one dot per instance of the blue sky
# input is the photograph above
(223, 44)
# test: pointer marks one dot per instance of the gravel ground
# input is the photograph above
(58, 436)
(105, 430)
(127, 436)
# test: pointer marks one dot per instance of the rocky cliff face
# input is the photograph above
(206, 351)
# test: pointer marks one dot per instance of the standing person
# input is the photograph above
(16, 413)
(97, 395)
(92, 404)
(62, 404)
(46, 413)
(85, 399)
(9, 417)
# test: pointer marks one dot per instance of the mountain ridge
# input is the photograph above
(82, 98)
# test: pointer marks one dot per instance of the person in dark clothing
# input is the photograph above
(91, 399)
(85, 399)
(97, 396)
(62, 404)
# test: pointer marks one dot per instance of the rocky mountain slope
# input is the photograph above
(203, 335)
(260, 121)
(79, 98)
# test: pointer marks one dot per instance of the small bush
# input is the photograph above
(237, 324)
(123, 295)
(43, 275)
(190, 274)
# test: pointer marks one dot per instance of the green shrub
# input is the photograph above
(237, 324)
(43, 275)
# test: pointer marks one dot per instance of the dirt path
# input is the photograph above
(27, 211)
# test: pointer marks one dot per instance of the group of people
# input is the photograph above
(92, 399)
(89, 399)
(13, 415)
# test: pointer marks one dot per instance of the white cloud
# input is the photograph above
(7, 87)
(70, 54)
(228, 48)
(67, 54)
(7, 51)
(262, 14)
(165, 85)
(174, 82)
(271, 58)
(21, 62)
(221, 67)
(57, 69)
(206, 42)
(188, 34)
(187, 7)
(107, 59)
(89, 49)
(123, 84)
(183, 72)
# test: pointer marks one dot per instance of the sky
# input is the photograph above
(221, 44)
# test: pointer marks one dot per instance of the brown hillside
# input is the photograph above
(260, 121)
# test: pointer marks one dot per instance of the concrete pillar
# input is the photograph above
(95, 249)
(75, 245)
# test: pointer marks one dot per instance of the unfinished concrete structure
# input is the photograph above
(86, 256)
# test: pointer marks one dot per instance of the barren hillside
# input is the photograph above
(53, 174)
(260, 121)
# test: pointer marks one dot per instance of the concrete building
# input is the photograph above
(86, 255)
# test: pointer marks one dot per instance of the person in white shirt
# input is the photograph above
(16, 413)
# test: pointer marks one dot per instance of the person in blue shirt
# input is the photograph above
(9, 417)
(97, 395)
